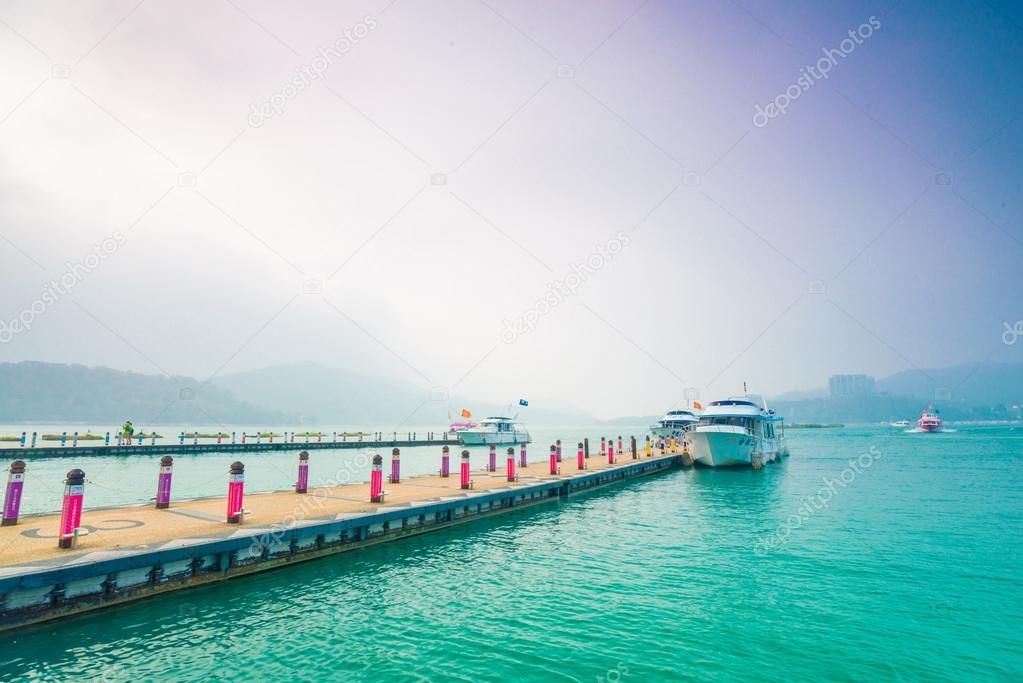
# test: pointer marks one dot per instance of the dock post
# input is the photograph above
(23, 435)
(603, 447)
(106, 439)
(220, 436)
(511, 464)
(319, 437)
(74, 440)
(243, 438)
(620, 449)
(141, 436)
(12, 498)
(376, 480)
(632, 447)
(554, 460)
(181, 439)
(302, 485)
(610, 452)
(445, 462)
(71, 509)
(259, 437)
(558, 444)
(333, 438)
(270, 437)
(63, 439)
(580, 462)
(466, 482)
(648, 445)
(395, 466)
(522, 456)
(33, 440)
(152, 438)
(163, 483)
(586, 446)
(235, 492)
(195, 437)
(492, 462)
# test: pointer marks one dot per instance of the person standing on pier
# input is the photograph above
(127, 431)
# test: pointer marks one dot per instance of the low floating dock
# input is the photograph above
(131, 552)
(23, 452)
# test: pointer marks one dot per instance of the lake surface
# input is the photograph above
(870, 554)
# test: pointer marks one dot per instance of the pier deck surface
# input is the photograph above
(32, 543)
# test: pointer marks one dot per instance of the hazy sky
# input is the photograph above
(428, 175)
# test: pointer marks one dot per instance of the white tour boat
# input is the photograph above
(675, 423)
(495, 430)
(736, 432)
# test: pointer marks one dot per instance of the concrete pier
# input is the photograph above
(130, 552)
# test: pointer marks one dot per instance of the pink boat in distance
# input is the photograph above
(929, 421)
(456, 427)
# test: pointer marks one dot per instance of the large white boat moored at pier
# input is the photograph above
(736, 432)
(495, 430)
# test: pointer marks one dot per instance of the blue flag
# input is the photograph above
(523, 402)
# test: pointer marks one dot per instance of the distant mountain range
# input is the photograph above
(303, 393)
(306, 393)
(966, 392)
(49, 392)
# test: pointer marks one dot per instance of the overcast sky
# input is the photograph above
(406, 199)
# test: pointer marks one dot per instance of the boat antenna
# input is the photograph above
(745, 391)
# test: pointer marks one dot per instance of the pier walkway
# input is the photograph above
(130, 552)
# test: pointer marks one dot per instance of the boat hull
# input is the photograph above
(488, 438)
(731, 449)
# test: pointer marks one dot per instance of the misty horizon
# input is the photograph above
(606, 207)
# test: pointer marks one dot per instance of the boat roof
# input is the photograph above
(739, 407)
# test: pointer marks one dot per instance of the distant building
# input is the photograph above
(851, 385)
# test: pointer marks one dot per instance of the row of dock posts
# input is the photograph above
(74, 485)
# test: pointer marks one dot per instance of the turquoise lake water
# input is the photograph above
(910, 570)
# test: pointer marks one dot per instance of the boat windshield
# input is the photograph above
(730, 420)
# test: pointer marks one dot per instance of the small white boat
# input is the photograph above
(494, 430)
(675, 423)
(736, 432)
(901, 423)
